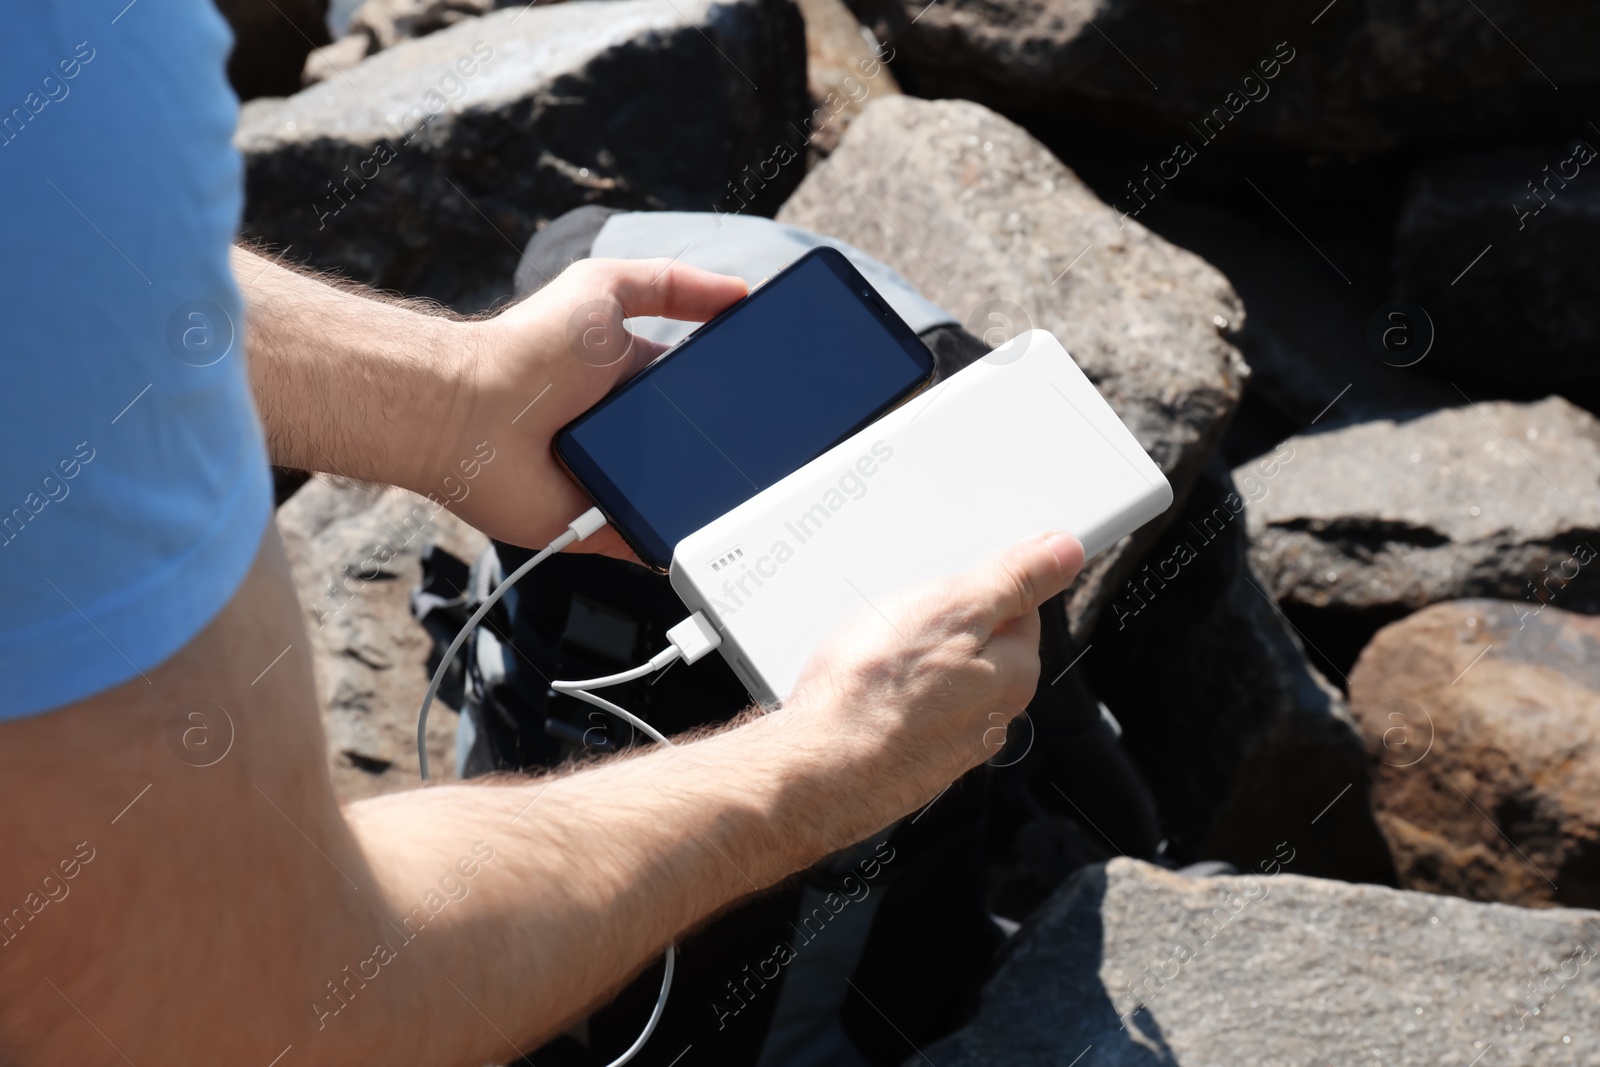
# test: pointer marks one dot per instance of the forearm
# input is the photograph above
(223, 879)
(351, 383)
(594, 873)
(227, 881)
(346, 384)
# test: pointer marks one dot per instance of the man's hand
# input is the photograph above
(543, 362)
(460, 411)
(916, 691)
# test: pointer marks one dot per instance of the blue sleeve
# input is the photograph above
(134, 487)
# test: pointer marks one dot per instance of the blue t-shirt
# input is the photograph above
(134, 488)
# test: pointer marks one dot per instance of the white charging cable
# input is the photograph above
(689, 640)
(580, 528)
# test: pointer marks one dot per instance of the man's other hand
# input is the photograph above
(917, 689)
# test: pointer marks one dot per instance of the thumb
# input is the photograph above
(1024, 576)
(670, 289)
(604, 293)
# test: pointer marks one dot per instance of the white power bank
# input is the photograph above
(1016, 444)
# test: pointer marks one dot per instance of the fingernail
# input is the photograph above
(1065, 549)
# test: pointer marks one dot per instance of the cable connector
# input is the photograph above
(587, 523)
(694, 637)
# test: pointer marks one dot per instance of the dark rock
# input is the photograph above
(427, 167)
(985, 222)
(1242, 742)
(1133, 966)
(1483, 721)
(1499, 249)
(1351, 78)
(271, 39)
(286, 481)
(1304, 334)
(1065, 792)
(1371, 522)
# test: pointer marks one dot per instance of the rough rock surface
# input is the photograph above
(271, 40)
(983, 220)
(1371, 522)
(1483, 721)
(845, 67)
(1361, 77)
(1242, 742)
(354, 552)
(844, 63)
(1523, 316)
(1129, 965)
(427, 167)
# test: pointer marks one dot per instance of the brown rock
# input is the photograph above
(354, 551)
(845, 67)
(983, 220)
(1482, 720)
(333, 60)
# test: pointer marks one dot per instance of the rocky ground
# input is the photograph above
(1332, 269)
(1129, 965)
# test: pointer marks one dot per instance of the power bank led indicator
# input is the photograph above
(728, 558)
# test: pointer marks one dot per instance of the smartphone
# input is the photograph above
(803, 362)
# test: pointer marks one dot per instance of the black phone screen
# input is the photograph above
(770, 384)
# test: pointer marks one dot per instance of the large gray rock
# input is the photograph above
(1483, 720)
(354, 551)
(844, 66)
(1498, 248)
(983, 220)
(1372, 522)
(1133, 966)
(1359, 78)
(1242, 742)
(427, 167)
